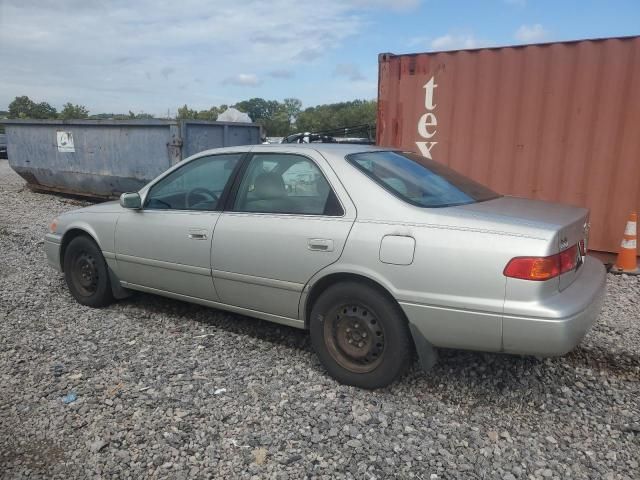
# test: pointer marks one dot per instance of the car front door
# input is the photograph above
(166, 245)
(289, 218)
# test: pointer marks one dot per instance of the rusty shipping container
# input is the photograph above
(556, 121)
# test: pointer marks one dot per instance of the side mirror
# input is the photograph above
(131, 200)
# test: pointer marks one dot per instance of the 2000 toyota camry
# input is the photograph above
(377, 252)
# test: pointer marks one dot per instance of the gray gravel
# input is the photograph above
(169, 390)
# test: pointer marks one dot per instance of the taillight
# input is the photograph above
(542, 268)
(568, 259)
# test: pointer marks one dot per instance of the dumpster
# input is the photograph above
(103, 158)
(556, 121)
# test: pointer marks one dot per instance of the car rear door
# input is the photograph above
(288, 218)
(166, 245)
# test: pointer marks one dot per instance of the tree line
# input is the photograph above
(277, 118)
(24, 107)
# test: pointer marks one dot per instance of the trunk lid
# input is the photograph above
(569, 224)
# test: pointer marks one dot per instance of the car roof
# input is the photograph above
(336, 149)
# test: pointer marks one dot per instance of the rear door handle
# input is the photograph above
(197, 235)
(320, 245)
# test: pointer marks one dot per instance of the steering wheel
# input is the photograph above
(189, 200)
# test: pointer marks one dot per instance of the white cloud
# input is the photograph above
(452, 41)
(348, 70)
(142, 55)
(243, 80)
(531, 33)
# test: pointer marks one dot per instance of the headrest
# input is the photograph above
(269, 185)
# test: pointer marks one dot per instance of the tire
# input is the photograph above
(360, 335)
(86, 273)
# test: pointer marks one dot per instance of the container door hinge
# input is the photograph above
(174, 146)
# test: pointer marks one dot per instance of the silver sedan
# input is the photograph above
(379, 253)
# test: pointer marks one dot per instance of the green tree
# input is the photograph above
(186, 113)
(293, 107)
(21, 107)
(274, 116)
(258, 108)
(104, 116)
(278, 125)
(44, 111)
(337, 115)
(71, 111)
(212, 114)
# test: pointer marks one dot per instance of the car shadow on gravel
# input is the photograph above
(485, 376)
(228, 321)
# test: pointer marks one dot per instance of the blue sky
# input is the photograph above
(151, 56)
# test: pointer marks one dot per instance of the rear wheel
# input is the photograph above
(360, 335)
(86, 274)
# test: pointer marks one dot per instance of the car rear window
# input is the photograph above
(418, 180)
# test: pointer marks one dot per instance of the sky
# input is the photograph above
(153, 56)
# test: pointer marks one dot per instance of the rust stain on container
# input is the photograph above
(557, 121)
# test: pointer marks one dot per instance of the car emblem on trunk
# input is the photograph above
(564, 243)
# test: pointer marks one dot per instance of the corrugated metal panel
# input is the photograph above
(112, 156)
(557, 122)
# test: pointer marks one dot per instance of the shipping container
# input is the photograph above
(556, 121)
(103, 158)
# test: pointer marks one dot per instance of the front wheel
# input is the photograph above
(86, 274)
(360, 335)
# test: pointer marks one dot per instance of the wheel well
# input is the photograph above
(66, 240)
(325, 282)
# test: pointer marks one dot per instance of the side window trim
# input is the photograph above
(225, 192)
(230, 199)
(246, 161)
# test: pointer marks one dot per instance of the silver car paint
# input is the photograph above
(178, 259)
(452, 291)
(263, 261)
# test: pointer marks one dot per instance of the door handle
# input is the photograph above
(196, 235)
(320, 245)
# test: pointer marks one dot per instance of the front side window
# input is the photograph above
(418, 180)
(198, 185)
(284, 183)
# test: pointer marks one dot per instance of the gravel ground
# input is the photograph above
(170, 390)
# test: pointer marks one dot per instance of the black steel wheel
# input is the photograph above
(354, 337)
(86, 274)
(360, 335)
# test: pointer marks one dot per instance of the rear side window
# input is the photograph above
(418, 180)
(285, 183)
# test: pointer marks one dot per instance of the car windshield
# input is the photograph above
(418, 180)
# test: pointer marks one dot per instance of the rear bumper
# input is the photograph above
(52, 243)
(564, 319)
(548, 327)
